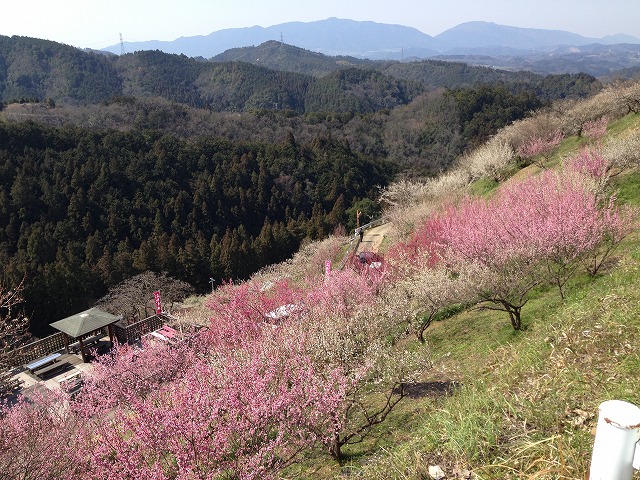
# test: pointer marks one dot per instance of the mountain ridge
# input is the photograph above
(271, 76)
(367, 39)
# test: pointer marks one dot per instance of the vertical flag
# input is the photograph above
(156, 297)
(327, 267)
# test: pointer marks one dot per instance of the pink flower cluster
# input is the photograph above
(540, 146)
(246, 413)
(242, 399)
(589, 162)
(539, 229)
(595, 129)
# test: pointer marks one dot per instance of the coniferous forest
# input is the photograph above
(85, 210)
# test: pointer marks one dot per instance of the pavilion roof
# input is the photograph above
(85, 322)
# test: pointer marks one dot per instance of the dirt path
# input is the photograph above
(373, 238)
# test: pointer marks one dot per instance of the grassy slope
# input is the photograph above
(526, 403)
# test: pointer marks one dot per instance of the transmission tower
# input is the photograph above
(121, 45)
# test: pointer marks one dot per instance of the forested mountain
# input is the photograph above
(431, 73)
(37, 70)
(281, 56)
(111, 166)
(32, 69)
(40, 69)
(382, 109)
(83, 210)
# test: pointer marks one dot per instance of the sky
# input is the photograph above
(99, 23)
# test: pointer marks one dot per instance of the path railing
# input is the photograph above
(355, 240)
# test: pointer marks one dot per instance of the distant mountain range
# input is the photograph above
(272, 75)
(377, 41)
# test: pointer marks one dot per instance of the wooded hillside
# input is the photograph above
(83, 210)
(36, 70)
(111, 166)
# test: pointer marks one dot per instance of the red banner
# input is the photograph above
(156, 298)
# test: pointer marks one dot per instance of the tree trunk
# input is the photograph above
(514, 316)
(423, 326)
(335, 449)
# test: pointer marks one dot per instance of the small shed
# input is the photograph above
(79, 325)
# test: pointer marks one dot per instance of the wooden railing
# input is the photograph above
(133, 332)
(40, 348)
(55, 343)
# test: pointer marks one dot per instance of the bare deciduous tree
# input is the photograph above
(13, 332)
(133, 298)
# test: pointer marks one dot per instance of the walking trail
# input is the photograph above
(373, 238)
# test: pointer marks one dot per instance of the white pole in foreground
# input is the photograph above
(617, 434)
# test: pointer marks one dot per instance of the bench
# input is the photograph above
(92, 340)
(71, 376)
(159, 336)
(86, 343)
(42, 362)
(73, 382)
(167, 331)
(51, 368)
(166, 334)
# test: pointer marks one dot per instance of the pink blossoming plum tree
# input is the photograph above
(244, 413)
(531, 231)
(347, 328)
(595, 129)
(540, 149)
(29, 428)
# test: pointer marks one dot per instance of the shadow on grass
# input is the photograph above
(428, 389)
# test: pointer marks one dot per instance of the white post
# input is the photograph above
(617, 434)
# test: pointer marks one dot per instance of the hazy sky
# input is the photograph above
(98, 23)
